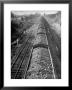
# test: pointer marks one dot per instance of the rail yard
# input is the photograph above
(37, 54)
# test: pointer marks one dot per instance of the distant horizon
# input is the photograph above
(33, 12)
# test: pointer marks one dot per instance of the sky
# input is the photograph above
(33, 12)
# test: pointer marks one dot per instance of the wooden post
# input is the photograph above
(17, 41)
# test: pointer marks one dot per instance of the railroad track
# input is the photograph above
(37, 63)
(18, 52)
(19, 58)
(34, 61)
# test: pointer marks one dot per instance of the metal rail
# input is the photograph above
(19, 50)
(20, 61)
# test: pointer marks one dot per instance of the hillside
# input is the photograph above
(54, 21)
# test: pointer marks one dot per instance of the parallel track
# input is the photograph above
(20, 62)
(19, 58)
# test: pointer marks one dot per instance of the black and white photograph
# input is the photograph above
(36, 44)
